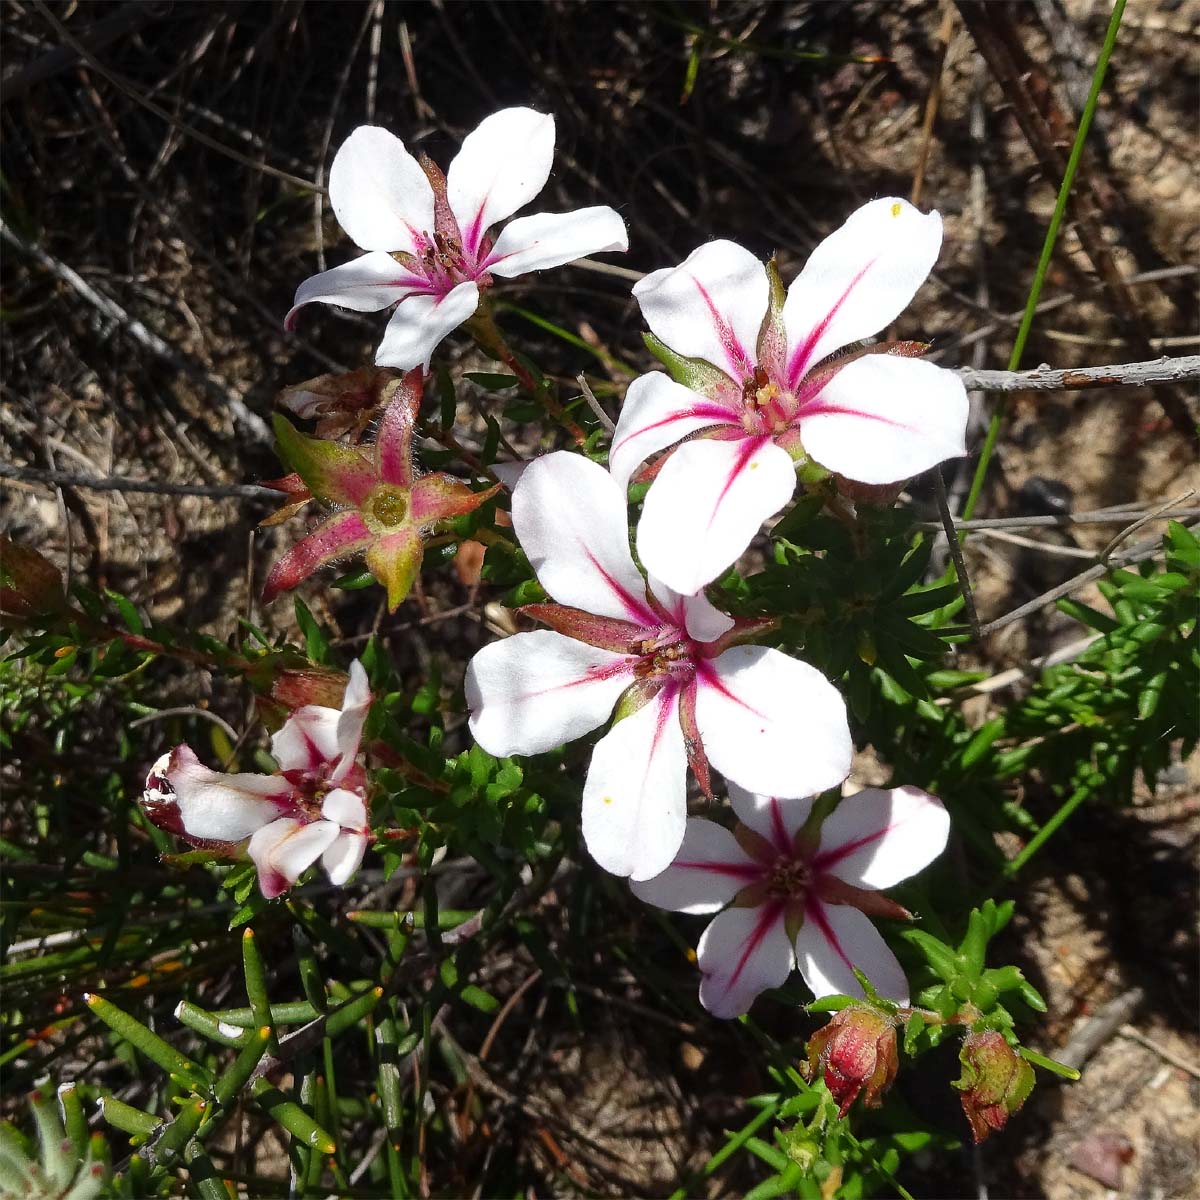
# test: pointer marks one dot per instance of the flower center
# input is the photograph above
(788, 879)
(767, 408)
(670, 653)
(388, 506)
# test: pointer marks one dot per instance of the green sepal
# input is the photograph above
(324, 466)
(694, 373)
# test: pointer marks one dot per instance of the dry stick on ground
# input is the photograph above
(118, 483)
(1136, 553)
(1130, 512)
(1048, 379)
(216, 387)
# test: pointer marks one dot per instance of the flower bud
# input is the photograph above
(995, 1082)
(855, 1053)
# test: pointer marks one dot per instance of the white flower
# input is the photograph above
(312, 808)
(426, 236)
(799, 902)
(763, 393)
(688, 694)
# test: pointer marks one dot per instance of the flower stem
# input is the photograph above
(483, 328)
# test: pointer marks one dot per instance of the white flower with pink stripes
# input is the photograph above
(426, 236)
(763, 394)
(787, 895)
(685, 691)
(312, 807)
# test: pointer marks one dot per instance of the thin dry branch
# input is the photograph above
(1117, 516)
(216, 387)
(119, 483)
(1048, 379)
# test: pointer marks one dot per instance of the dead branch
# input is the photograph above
(1048, 379)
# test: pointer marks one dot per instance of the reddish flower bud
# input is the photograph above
(855, 1053)
(995, 1082)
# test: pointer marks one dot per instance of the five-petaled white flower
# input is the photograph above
(312, 808)
(764, 394)
(426, 236)
(687, 692)
(795, 898)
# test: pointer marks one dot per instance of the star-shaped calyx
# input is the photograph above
(382, 509)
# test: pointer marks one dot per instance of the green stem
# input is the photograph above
(1039, 278)
(1046, 832)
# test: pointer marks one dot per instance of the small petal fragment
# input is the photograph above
(635, 797)
(534, 691)
(355, 705)
(502, 165)
(883, 419)
(285, 849)
(421, 322)
(772, 724)
(876, 838)
(708, 501)
(364, 284)
(308, 739)
(344, 856)
(573, 524)
(858, 280)
(380, 194)
(743, 952)
(711, 307)
(709, 870)
(546, 240)
(345, 808)
(657, 413)
(835, 938)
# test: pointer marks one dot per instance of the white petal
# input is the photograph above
(835, 937)
(771, 723)
(635, 797)
(882, 419)
(382, 198)
(344, 857)
(702, 620)
(546, 240)
(285, 849)
(219, 807)
(573, 524)
(365, 284)
(858, 280)
(533, 691)
(308, 739)
(346, 808)
(355, 705)
(711, 306)
(777, 820)
(421, 322)
(657, 413)
(502, 165)
(709, 870)
(878, 837)
(743, 952)
(707, 503)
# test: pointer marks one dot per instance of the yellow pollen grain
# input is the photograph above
(608, 799)
(897, 209)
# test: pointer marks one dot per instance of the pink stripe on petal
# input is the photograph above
(818, 409)
(799, 363)
(769, 914)
(815, 912)
(594, 675)
(709, 677)
(747, 872)
(719, 415)
(751, 447)
(779, 833)
(729, 340)
(636, 608)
